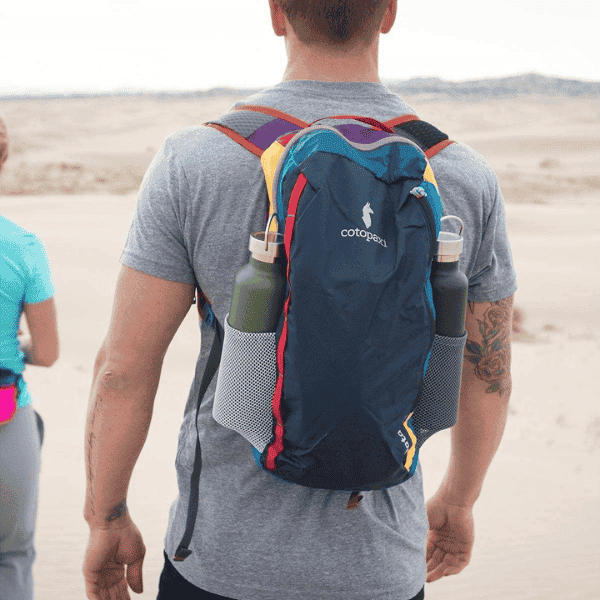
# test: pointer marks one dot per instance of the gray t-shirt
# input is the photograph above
(256, 537)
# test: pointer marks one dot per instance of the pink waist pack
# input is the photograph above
(9, 393)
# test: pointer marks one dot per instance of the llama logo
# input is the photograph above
(367, 212)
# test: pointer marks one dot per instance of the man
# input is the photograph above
(257, 538)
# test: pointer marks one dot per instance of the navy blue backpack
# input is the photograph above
(354, 380)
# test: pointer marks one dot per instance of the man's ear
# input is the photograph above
(389, 16)
(277, 18)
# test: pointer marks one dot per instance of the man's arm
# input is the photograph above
(146, 314)
(483, 408)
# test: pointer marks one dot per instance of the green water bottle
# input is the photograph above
(260, 286)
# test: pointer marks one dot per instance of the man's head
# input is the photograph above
(3, 143)
(336, 24)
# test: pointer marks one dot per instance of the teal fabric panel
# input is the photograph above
(388, 162)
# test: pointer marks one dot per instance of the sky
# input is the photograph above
(106, 45)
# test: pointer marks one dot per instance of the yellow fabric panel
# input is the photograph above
(429, 176)
(269, 161)
(411, 453)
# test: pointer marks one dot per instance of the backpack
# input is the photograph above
(354, 380)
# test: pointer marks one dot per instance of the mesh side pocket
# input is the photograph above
(245, 385)
(438, 406)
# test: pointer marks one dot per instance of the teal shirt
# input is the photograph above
(25, 278)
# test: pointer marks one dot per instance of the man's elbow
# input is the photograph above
(117, 374)
(100, 359)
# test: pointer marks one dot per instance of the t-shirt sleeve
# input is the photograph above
(39, 285)
(155, 243)
(493, 276)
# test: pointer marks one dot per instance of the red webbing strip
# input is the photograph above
(236, 137)
(284, 141)
(276, 448)
(273, 112)
(435, 149)
(376, 124)
(400, 120)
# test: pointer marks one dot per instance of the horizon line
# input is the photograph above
(42, 92)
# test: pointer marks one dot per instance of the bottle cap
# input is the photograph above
(265, 250)
(265, 246)
(449, 245)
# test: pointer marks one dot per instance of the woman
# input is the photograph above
(25, 288)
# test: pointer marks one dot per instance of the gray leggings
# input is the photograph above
(20, 443)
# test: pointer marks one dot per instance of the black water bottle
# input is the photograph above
(450, 285)
(260, 286)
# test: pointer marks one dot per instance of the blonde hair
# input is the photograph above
(3, 142)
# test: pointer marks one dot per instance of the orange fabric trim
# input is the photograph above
(236, 137)
(273, 112)
(400, 120)
(435, 149)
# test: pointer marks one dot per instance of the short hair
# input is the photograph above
(3, 143)
(335, 23)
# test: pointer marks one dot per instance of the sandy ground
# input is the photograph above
(538, 519)
(544, 149)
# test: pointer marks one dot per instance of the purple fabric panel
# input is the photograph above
(264, 136)
(361, 134)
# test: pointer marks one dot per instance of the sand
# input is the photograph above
(538, 519)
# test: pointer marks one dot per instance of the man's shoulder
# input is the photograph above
(460, 165)
(202, 144)
(201, 147)
(461, 153)
(188, 138)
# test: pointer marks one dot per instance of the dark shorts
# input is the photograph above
(172, 586)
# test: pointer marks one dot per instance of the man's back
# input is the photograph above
(257, 537)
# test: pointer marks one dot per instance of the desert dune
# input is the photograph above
(71, 179)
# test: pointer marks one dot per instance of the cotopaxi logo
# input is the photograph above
(370, 237)
(367, 211)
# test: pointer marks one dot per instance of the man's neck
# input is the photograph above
(309, 63)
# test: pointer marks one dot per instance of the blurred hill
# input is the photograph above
(499, 87)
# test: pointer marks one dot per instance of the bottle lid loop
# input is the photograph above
(264, 245)
(268, 228)
(449, 245)
(462, 226)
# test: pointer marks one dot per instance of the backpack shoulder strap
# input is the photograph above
(210, 370)
(429, 138)
(256, 127)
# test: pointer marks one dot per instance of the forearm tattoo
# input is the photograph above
(120, 509)
(90, 452)
(117, 511)
(492, 357)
